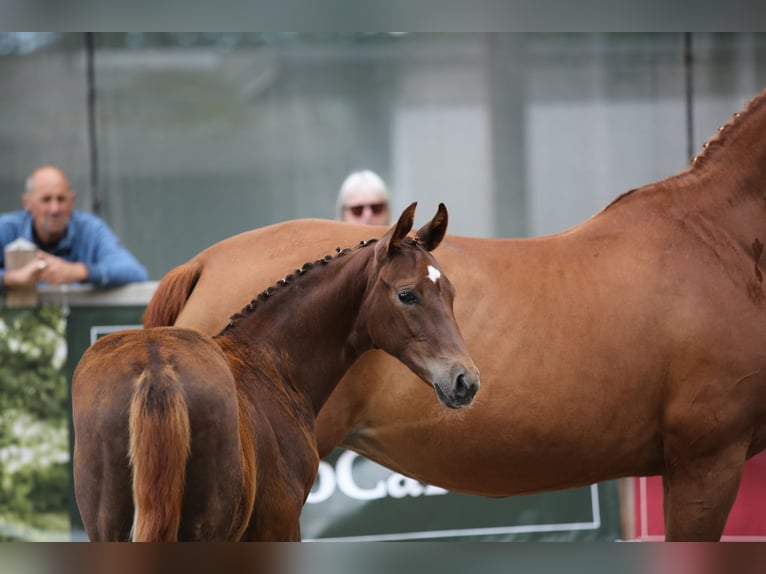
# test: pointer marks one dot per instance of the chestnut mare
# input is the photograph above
(633, 344)
(217, 433)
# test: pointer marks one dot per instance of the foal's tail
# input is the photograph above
(172, 292)
(160, 439)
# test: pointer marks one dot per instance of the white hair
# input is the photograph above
(363, 179)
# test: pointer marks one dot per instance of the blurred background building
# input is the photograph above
(181, 139)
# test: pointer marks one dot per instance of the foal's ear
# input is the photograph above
(432, 233)
(391, 241)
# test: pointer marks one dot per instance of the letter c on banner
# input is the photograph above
(346, 484)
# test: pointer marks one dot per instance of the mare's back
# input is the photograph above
(236, 269)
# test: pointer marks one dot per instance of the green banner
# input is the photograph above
(355, 499)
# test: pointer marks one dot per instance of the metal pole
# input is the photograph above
(90, 75)
(689, 69)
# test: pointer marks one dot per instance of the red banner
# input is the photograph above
(747, 520)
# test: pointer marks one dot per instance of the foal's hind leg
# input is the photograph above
(699, 493)
(103, 489)
(219, 481)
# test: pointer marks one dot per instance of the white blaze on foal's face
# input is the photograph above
(433, 273)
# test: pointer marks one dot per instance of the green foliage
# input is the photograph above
(34, 453)
(32, 353)
(34, 439)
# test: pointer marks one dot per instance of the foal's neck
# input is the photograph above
(304, 333)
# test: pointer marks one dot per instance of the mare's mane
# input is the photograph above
(719, 138)
(299, 272)
(713, 144)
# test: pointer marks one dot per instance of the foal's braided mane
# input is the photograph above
(299, 272)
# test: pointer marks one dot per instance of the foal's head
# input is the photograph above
(408, 310)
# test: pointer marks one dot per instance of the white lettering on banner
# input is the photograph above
(345, 475)
(342, 477)
(326, 483)
(400, 486)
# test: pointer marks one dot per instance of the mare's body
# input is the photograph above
(632, 344)
(212, 438)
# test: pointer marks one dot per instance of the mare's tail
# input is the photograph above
(160, 439)
(172, 292)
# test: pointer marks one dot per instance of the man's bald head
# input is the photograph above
(50, 201)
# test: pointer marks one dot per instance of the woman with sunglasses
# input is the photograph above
(363, 198)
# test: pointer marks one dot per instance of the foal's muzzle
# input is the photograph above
(461, 393)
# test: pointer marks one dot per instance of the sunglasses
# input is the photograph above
(376, 208)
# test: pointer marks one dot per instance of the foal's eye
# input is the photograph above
(407, 297)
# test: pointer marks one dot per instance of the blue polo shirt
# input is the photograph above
(88, 240)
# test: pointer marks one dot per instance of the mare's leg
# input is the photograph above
(700, 491)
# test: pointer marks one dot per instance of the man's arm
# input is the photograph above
(57, 271)
(109, 263)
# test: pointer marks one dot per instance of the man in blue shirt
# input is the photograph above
(73, 246)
